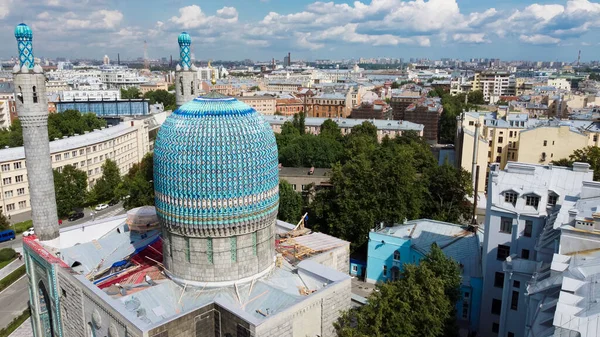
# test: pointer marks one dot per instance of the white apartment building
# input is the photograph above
(120, 77)
(266, 105)
(5, 108)
(560, 83)
(521, 200)
(494, 84)
(90, 95)
(126, 144)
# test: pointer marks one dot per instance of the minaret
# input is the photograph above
(185, 74)
(32, 109)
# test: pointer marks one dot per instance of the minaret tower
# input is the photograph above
(185, 74)
(32, 109)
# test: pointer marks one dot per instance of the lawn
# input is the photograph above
(20, 227)
(15, 323)
(12, 277)
(5, 263)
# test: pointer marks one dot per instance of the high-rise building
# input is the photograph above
(32, 109)
(106, 60)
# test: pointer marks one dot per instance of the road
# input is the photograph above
(13, 300)
(110, 211)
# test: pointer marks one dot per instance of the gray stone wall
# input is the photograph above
(186, 93)
(298, 320)
(32, 109)
(71, 302)
(229, 259)
(338, 258)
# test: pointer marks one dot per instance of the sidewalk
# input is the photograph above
(10, 268)
(25, 330)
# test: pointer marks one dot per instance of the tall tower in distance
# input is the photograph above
(185, 72)
(32, 109)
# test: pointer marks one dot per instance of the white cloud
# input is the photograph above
(539, 39)
(5, 8)
(470, 38)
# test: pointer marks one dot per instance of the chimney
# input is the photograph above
(572, 215)
(581, 167)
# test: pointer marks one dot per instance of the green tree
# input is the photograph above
(395, 85)
(590, 155)
(70, 186)
(415, 305)
(446, 194)
(290, 203)
(298, 122)
(130, 93)
(106, 188)
(171, 87)
(563, 162)
(4, 224)
(330, 129)
(138, 185)
(162, 96)
(476, 97)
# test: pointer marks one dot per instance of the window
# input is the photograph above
(81, 152)
(22, 204)
(471, 123)
(552, 199)
(7, 181)
(545, 143)
(516, 284)
(496, 306)
(19, 178)
(10, 207)
(510, 134)
(20, 191)
(96, 170)
(595, 138)
(499, 280)
(528, 228)
(57, 157)
(73, 154)
(355, 268)
(499, 149)
(495, 327)
(5, 167)
(94, 148)
(510, 197)
(384, 271)
(396, 255)
(506, 225)
(500, 140)
(35, 96)
(514, 301)
(8, 194)
(503, 252)
(17, 165)
(90, 172)
(532, 200)
(525, 254)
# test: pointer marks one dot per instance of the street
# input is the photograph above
(110, 211)
(13, 300)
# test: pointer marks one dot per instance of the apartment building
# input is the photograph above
(494, 84)
(329, 105)
(89, 95)
(266, 105)
(126, 144)
(6, 105)
(401, 101)
(147, 87)
(521, 199)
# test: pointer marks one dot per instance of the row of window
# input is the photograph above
(9, 194)
(506, 226)
(6, 167)
(8, 181)
(94, 148)
(530, 200)
(11, 207)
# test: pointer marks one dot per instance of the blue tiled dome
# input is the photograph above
(215, 166)
(22, 31)
(184, 39)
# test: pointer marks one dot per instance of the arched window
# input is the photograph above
(396, 255)
(384, 271)
(192, 87)
(20, 94)
(181, 85)
(35, 97)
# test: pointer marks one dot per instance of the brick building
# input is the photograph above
(426, 111)
(371, 110)
(400, 102)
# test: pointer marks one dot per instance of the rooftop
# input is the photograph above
(381, 124)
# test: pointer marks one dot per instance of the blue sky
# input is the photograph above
(548, 30)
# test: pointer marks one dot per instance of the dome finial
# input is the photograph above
(213, 77)
(185, 40)
(24, 36)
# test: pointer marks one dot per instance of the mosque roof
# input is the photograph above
(22, 31)
(216, 164)
(184, 38)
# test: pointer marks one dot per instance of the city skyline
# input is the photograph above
(551, 30)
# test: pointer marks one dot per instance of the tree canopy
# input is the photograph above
(4, 224)
(162, 96)
(290, 203)
(138, 185)
(70, 186)
(107, 187)
(67, 123)
(590, 155)
(421, 303)
(130, 93)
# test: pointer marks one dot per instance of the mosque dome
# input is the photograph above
(184, 39)
(216, 169)
(22, 31)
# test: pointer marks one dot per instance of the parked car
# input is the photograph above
(29, 232)
(113, 202)
(75, 216)
(101, 207)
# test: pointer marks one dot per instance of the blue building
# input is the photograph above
(392, 247)
(125, 107)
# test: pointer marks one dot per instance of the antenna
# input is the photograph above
(146, 62)
(578, 58)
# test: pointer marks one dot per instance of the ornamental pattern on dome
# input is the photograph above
(24, 36)
(215, 167)
(184, 40)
